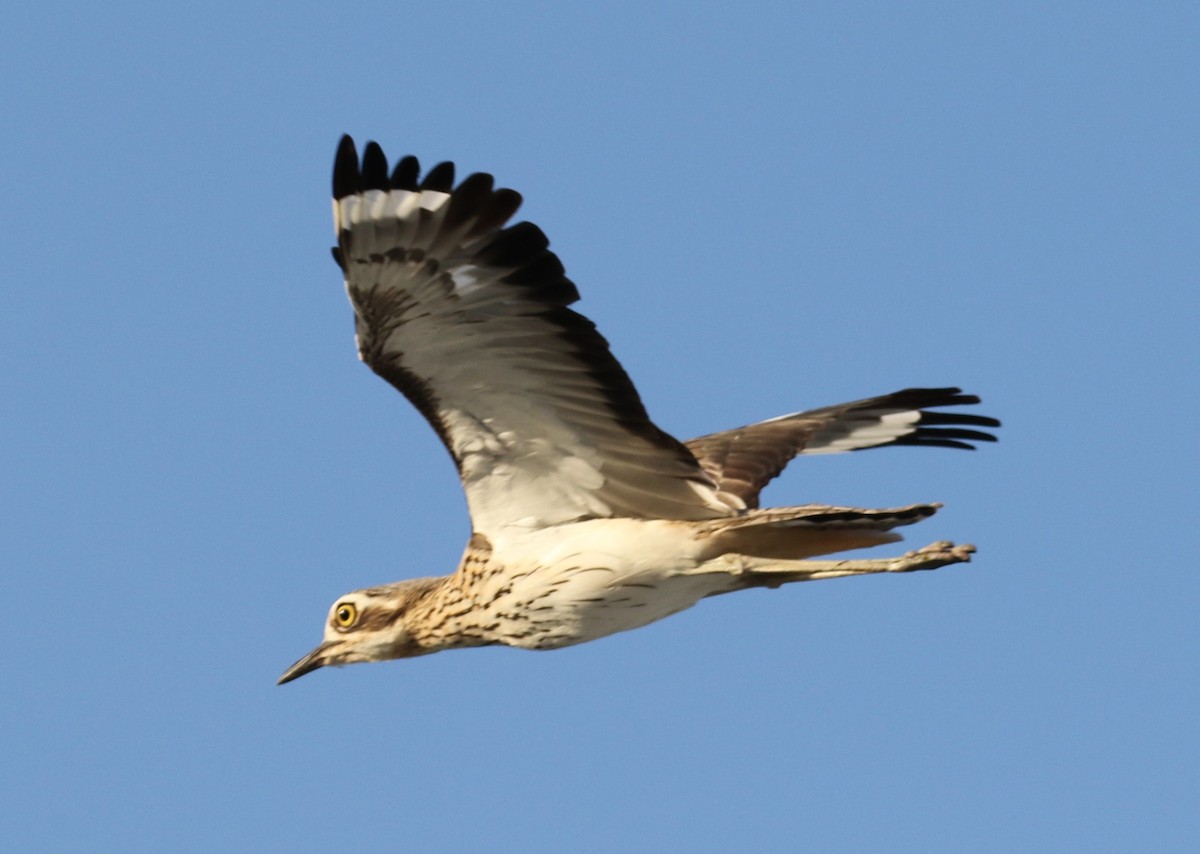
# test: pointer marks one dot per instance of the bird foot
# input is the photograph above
(932, 556)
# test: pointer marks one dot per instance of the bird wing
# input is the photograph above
(744, 460)
(470, 320)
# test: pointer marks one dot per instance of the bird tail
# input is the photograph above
(767, 548)
(792, 533)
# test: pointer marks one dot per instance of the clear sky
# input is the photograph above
(766, 206)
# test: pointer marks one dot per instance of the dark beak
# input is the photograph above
(319, 657)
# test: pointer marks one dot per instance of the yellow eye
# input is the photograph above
(345, 614)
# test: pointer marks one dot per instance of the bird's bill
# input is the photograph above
(319, 657)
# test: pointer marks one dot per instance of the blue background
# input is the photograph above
(767, 206)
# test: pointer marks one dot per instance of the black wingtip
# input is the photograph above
(440, 178)
(948, 430)
(936, 429)
(466, 202)
(346, 178)
(936, 419)
(930, 433)
(374, 167)
(514, 246)
(406, 173)
(496, 211)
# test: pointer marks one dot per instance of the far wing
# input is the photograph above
(744, 460)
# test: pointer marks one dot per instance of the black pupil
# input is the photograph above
(344, 615)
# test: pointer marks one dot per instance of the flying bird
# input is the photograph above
(587, 519)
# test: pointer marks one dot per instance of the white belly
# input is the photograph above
(582, 581)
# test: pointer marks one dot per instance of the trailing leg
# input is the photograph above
(764, 572)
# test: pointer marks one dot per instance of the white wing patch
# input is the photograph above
(887, 428)
(379, 205)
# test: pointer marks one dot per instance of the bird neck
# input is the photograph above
(444, 617)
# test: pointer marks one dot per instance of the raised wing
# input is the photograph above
(469, 320)
(744, 460)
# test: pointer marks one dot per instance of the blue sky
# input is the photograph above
(766, 207)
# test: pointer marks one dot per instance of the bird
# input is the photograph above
(587, 519)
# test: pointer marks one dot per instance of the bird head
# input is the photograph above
(368, 625)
